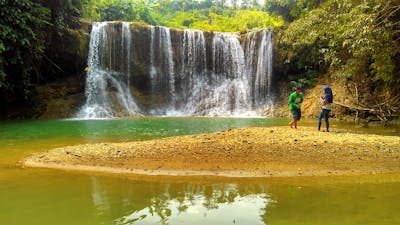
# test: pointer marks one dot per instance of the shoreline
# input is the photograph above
(198, 173)
(244, 152)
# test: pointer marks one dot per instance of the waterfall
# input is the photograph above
(259, 53)
(228, 88)
(108, 78)
(155, 70)
(162, 74)
(126, 49)
(192, 73)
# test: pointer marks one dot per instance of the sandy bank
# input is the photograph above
(248, 152)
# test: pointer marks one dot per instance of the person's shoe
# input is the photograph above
(291, 125)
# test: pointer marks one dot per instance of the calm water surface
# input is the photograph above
(51, 197)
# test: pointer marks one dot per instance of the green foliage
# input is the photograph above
(291, 9)
(21, 45)
(349, 37)
(207, 15)
(125, 10)
(64, 13)
(227, 21)
(30, 29)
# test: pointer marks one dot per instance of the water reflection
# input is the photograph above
(197, 208)
(99, 197)
(225, 203)
(66, 198)
(311, 201)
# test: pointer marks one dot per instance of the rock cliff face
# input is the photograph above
(58, 78)
(63, 93)
(145, 70)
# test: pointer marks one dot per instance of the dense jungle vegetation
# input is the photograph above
(352, 40)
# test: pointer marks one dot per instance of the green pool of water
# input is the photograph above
(52, 197)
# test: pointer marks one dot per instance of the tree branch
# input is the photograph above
(354, 107)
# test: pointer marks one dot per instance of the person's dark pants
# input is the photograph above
(324, 114)
(296, 113)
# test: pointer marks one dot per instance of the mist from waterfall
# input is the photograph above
(189, 72)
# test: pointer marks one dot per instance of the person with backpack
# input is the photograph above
(326, 107)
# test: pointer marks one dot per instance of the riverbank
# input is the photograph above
(247, 152)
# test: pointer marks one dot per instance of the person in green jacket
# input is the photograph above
(295, 100)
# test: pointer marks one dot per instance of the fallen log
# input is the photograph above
(354, 107)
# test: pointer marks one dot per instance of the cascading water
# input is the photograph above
(231, 84)
(173, 72)
(259, 67)
(193, 71)
(108, 78)
(162, 66)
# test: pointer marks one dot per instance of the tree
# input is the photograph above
(291, 10)
(22, 43)
(124, 10)
(227, 21)
(357, 42)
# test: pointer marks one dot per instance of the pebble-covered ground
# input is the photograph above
(247, 152)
